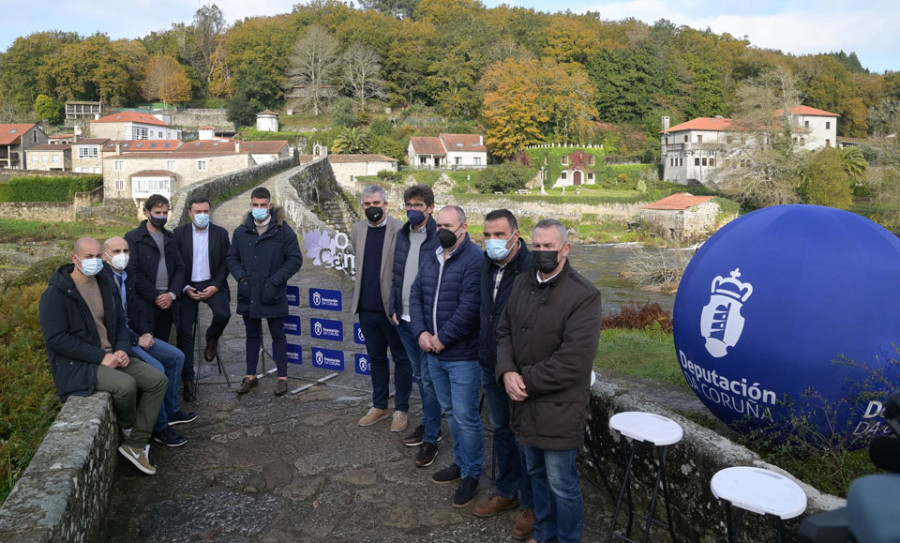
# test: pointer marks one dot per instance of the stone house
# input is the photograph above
(681, 215)
(50, 157)
(15, 139)
(87, 155)
(130, 125)
(456, 151)
(697, 150)
(348, 167)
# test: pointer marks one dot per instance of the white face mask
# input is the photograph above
(91, 266)
(119, 261)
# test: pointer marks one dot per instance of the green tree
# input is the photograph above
(504, 178)
(242, 110)
(47, 108)
(341, 112)
(825, 182)
(21, 67)
(350, 141)
(255, 59)
(854, 164)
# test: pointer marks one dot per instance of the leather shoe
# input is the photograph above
(190, 391)
(524, 525)
(212, 349)
(246, 384)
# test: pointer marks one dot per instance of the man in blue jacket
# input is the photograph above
(416, 240)
(506, 256)
(444, 308)
(263, 256)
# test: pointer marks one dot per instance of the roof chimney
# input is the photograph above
(237, 146)
(665, 123)
(118, 148)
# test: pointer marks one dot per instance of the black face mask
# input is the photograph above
(446, 238)
(374, 214)
(158, 222)
(545, 261)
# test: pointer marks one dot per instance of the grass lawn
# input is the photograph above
(16, 231)
(647, 354)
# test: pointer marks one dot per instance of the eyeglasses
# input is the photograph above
(417, 205)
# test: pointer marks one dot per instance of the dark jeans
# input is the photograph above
(558, 505)
(163, 320)
(512, 474)
(431, 409)
(168, 360)
(254, 342)
(380, 334)
(221, 314)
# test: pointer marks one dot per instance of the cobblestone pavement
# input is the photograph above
(260, 468)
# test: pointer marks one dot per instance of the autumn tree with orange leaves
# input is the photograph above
(165, 80)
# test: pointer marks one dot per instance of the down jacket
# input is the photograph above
(71, 338)
(262, 266)
(549, 333)
(457, 301)
(401, 253)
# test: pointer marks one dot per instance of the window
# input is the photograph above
(43, 158)
(545, 160)
(703, 162)
(685, 138)
(666, 140)
(170, 165)
(138, 133)
(201, 165)
(696, 162)
(562, 175)
(118, 165)
(699, 138)
(34, 137)
(88, 151)
(806, 124)
(827, 143)
(457, 161)
(120, 184)
(478, 161)
(564, 160)
(712, 162)
(591, 160)
(728, 139)
(681, 161)
(827, 125)
(56, 159)
(590, 176)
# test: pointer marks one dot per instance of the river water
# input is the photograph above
(602, 264)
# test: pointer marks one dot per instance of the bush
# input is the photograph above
(37, 188)
(639, 317)
(341, 112)
(506, 177)
(389, 176)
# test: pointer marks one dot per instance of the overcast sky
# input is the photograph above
(868, 27)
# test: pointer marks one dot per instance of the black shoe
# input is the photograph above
(180, 417)
(246, 384)
(190, 390)
(281, 387)
(212, 349)
(415, 438)
(447, 475)
(426, 455)
(466, 492)
(169, 437)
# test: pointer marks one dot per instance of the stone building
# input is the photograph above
(348, 167)
(681, 215)
(15, 139)
(50, 158)
(87, 155)
(130, 125)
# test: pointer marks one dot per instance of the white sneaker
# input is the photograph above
(139, 457)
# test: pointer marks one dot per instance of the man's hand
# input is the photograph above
(145, 341)
(193, 294)
(110, 361)
(515, 386)
(208, 292)
(164, 300)
(123, 358)
(394, 319)
(436, 344)
(425, 342)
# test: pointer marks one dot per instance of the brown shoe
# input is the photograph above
(524, 526)
(494, 506)
(373, 415)
(212, 349)
(281, 387)
(246, 384)
(190, 391)
(400, 421)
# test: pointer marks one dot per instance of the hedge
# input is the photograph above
(47, 189)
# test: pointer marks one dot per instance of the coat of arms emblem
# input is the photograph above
(721, 322)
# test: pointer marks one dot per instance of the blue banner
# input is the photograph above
(326, 329)
(358, 337)
(292, 325)
(361, 362)
(293, 296)
(294, 354)
(322, 298)
(329, 359)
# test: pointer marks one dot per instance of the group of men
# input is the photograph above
(107, 316)
(522, 326)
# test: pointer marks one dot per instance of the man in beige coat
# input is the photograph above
(373, 240)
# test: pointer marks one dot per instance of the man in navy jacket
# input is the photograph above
(444, 308)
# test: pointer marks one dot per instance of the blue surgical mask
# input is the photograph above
(201, 220)
(415, 216)
(496, 248)
(91, 266)
(260, 213)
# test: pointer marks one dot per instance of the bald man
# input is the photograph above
(89, 349)
(156, 352)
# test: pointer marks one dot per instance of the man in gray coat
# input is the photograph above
(373, 240)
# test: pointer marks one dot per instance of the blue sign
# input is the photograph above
(294, 354)
(361, 362)
(326, 329)
(790, 314)
(358, 337)
(292, 325)
(293, 295)
(322, 298)
(327, 359)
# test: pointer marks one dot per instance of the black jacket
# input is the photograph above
(142, 268)
(401, 253)
(549, 334)
(491, 307)
(133, 318)
(262, 266)
(71, 338)
(218, 251)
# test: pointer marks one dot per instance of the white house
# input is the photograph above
(698, 149)
(347, 168)
(457, 151)
(130, 125)
(267, 121)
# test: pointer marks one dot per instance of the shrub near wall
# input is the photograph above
(47, 189)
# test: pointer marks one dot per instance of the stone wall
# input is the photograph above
(62, 496)
(38, 211)
(695, 221)
(691, 463)
(195, 118)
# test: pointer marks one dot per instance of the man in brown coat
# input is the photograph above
(547, 341)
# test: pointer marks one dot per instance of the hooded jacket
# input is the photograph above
(262, 266)
(70, 335)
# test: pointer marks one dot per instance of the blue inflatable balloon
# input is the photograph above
(787, 323)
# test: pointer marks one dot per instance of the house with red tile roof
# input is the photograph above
(681, 215)
(348, 167)
(131, 125)
(15, 139)
(697, 150)
(451, 151)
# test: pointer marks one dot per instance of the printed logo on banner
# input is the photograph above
(358, 337)
(721, 322)
(361, 362)
(327, 299)
(327, 329)
(294, 354)
(293, 296)
(330, 249)
(328, 359)
(292, 325)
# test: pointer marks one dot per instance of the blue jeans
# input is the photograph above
(170, 361)
(558, 506)
(254, 342)
(431, 409)
(456, 383)
(380, 334)
(512, 476)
